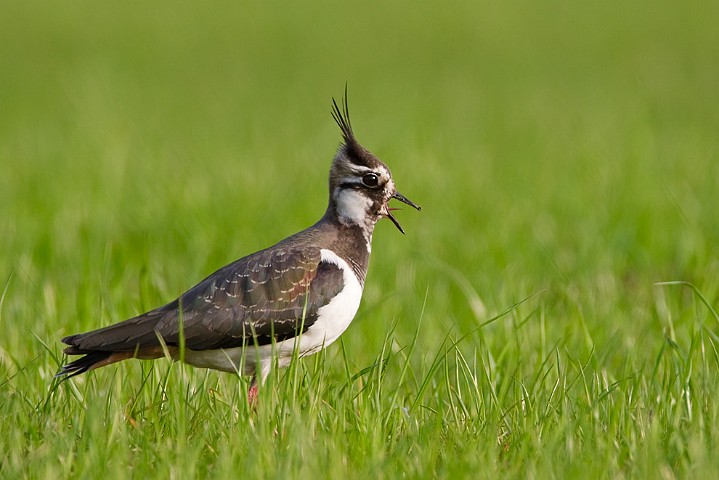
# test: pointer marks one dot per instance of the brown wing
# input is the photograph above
(268, 295)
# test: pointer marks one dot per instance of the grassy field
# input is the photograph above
(567, 158)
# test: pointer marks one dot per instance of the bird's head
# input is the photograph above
(361, 185)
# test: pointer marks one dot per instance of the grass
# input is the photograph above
(550, 313)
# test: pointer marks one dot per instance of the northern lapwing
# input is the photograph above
(298, 295)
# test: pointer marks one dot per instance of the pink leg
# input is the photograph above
(252, 394)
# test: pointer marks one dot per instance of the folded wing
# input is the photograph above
(265, 297)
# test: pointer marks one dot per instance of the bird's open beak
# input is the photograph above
(402, 199)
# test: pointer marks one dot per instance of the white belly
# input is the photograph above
(332, 320)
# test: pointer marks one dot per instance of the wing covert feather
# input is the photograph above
(255, 299)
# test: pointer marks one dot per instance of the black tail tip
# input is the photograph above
(81, 365)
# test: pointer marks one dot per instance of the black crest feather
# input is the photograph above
(342, 117)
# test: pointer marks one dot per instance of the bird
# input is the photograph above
(293, 298)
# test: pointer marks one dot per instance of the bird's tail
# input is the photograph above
(134, 338)
(90, 361)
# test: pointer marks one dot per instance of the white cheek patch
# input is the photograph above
(353, 206)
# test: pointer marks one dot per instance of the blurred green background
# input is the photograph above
(562, 148)
(547, 141)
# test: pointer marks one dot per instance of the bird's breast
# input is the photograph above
(334, 317)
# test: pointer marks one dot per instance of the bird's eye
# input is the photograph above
(370, 180)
